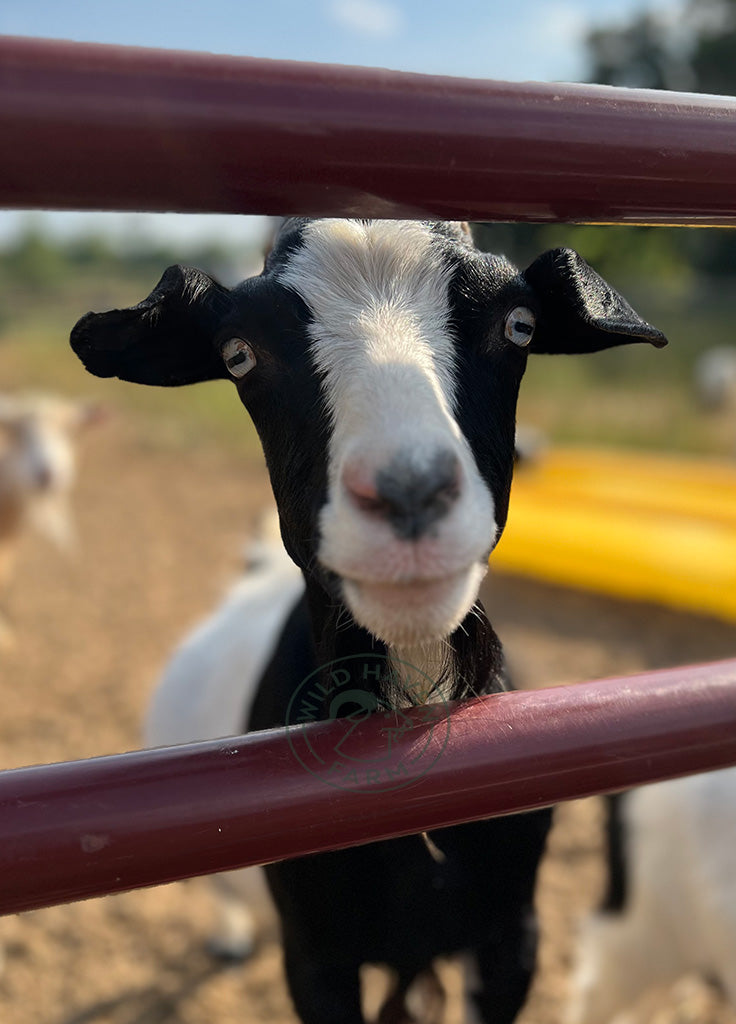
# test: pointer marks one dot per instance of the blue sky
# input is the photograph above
(515, 40)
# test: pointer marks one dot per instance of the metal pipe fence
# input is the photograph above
(103, 127)
(87, 828)
(99, 127)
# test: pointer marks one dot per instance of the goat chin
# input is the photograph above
(415, 612)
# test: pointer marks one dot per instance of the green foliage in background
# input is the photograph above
(691, 48)
(631, 396)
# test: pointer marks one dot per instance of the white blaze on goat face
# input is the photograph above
(381, 339)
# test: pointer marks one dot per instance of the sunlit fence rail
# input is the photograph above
(102, 127)
(114, 823)
(94, 127)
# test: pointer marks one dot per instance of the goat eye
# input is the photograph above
(519, 326)
(238, 356)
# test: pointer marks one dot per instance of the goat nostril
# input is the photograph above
(412, 500)
(377, 506)
(363, 492)
(44, 478)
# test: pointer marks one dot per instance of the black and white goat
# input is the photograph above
(671, 905)
(380, 362)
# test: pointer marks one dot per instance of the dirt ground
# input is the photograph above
(160, 534)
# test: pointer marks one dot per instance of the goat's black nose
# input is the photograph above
(413, 499)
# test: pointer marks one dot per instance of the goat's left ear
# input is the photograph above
(167, 339)
(579, 311)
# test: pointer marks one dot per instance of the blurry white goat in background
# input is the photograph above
(714, 378)
(37, 471)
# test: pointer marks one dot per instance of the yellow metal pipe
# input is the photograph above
(639, 527)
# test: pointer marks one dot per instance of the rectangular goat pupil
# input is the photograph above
(523, 328)
(237, 359)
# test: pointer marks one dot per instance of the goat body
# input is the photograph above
(207, 691)
(674, 909)
(381, 362)
(209, 685)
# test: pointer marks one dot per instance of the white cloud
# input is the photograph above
(368, 17)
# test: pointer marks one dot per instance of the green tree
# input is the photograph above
(693, 49)
(34, 261)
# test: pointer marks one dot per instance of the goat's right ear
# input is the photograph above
(167, 339)
(579, 311)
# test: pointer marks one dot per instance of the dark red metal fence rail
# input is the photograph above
(103, 127)
(92, 827)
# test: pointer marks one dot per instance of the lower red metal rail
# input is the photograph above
(87, 828)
